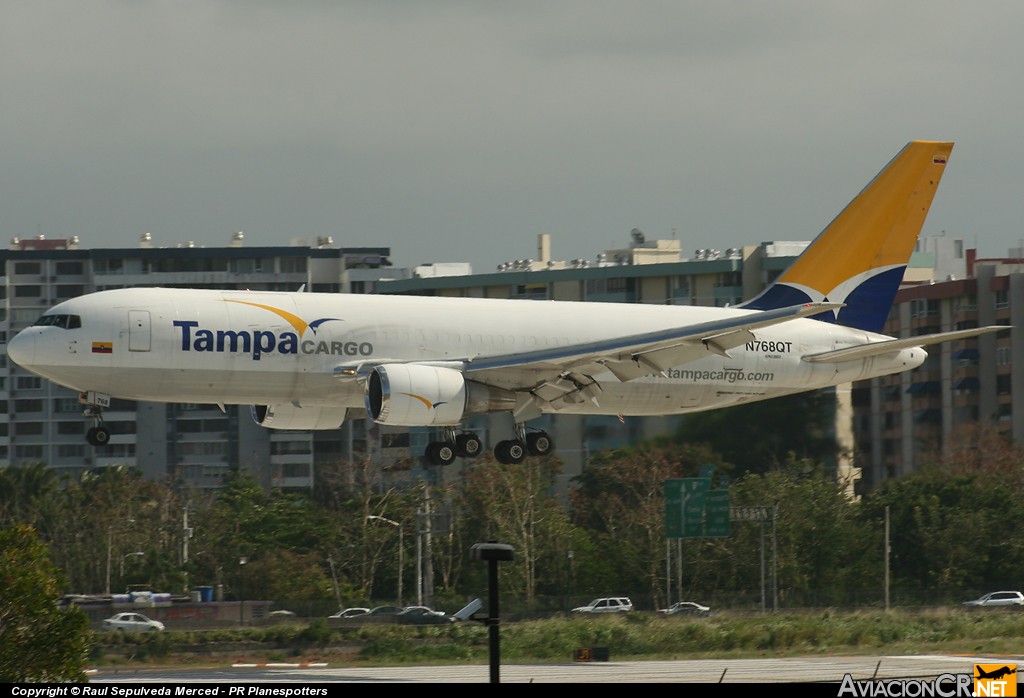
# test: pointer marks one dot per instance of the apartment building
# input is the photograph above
(901, 421)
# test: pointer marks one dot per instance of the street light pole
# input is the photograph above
(401, 547)
(241, 591)
(110, 544)
(125, 557)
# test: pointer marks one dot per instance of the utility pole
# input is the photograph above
(886, 557)
(110, 544)
(775, 560)
(186, 534)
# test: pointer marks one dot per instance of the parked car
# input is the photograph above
(282, 614)
(421, 615)
(132, 623)
(350, 612)
(997, 598)
(606, 604)
(385, 610)
(686, 608)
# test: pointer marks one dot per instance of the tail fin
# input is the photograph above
(859, 259)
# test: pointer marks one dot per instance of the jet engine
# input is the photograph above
(414, 395)
(292, 417)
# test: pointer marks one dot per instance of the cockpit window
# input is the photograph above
(67, 322)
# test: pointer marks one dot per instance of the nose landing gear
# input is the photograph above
(98, 435)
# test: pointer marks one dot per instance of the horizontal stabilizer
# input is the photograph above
(862, 351)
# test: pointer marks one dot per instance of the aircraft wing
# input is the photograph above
(862, 351)
(563, 376)
(651, 352)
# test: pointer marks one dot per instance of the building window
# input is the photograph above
(27, 452)
(67, 404)
(29, 428)
(28, 268)
(33, 291)
(70, 291)
(293, 265)
(69, 268)
(22, 406)
(295, 470)
(29, 383)
(729, 279)
(108, 266)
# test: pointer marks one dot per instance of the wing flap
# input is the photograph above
(862, 351)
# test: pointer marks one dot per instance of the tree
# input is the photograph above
(621, 502)
(951, 534)
(760, 435)
(826, 552)
(39, 641)
(25, 491)
(512, 504)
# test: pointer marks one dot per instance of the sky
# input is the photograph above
(459, 131)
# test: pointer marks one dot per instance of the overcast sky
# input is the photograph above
(454, 130)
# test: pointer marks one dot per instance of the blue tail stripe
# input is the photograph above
(867, 306)
(779, 296)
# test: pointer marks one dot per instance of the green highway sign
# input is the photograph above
(694, 510)
(716, 510)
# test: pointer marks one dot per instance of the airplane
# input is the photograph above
(311, 360)
(994, 674)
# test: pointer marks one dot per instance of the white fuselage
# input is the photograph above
(242, 347)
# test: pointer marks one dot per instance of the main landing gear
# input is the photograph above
(465, 445)
(508, 452)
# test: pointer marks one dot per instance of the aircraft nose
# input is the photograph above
(22, 348)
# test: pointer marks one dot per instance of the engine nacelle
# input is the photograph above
(412, 395)
(292, 417)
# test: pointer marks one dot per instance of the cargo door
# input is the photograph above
(139, 335)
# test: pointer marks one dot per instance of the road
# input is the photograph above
(788, 670)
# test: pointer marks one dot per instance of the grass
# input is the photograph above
(633, 636)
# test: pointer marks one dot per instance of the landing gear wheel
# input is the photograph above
(98, 436)
(539, 443)
(468, 445)
(510, 452)
(440, 453)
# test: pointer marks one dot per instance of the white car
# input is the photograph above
(132, 623)
(421, 615)
(997, 598)
(350, 613)
(686, 608)
(606, 604)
